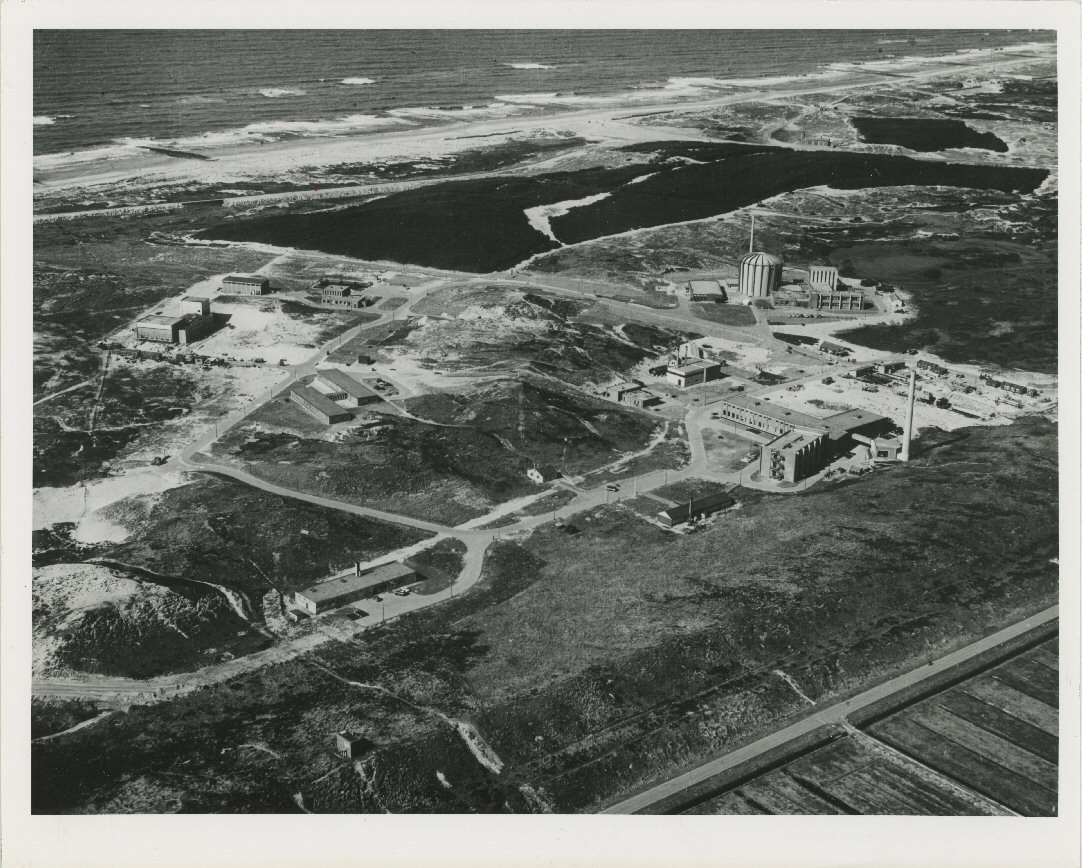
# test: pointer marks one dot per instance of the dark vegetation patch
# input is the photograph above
(475, 456)
(597, 662)
(439, 565)
(727, 314)
(475, 226)
(480, 225)
(925, 134)
(221, 531)
(152, 635)
(49, 716)
(78, 435)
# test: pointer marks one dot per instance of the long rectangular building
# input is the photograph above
(349, 589)
(344, 388)
(240, 284)
(319, 405)
(699, 506)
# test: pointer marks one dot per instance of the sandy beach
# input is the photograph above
(603, 120)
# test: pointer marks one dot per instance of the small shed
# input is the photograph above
(351, 745)
(543, 474)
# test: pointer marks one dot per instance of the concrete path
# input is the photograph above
(835, 714)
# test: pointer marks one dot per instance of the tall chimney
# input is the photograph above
(907, 436)
(751, 241)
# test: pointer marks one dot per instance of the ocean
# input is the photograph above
(118, 89)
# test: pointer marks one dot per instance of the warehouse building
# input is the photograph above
(239, 284)
(698, 507)
(834, 349)
(764, 416)
(334, 593)
(932, 368)
(692, 373)
(194, 323)
(319, 405)
(705, 290)
(340, 386)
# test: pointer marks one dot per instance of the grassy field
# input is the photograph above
(726, 314)
(594, 662)
(471, 453)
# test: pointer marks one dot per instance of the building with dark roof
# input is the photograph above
(544, 473)
(692, 373)
(240, 284)
(697, 507)
(834, 349)
(342, 591)
(318, 405)
(341, 386)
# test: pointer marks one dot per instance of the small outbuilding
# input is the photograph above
(353, 746)
(698, 507)
(543, 474)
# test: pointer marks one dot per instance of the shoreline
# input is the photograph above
(611, 121)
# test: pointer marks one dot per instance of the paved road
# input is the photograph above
(837, 713)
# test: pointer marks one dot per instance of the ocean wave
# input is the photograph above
(529, 66)
(43, 120)
(276, 92)
(259, 132)
(358, 80)
(470, 112)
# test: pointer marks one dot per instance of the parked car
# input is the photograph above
(402, 592)
(612, 486)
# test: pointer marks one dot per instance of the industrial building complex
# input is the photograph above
(331, 394)
(805, 444)
(194, 322)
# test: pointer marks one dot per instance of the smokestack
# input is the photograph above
(357, 568)
(907, 436)
(751, 241)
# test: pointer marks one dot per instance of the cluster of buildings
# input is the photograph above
(805, 444)
(194, 322)
(349, 294)
(331, 395)
(633, 394)
(362, 584)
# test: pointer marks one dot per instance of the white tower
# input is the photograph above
(907, 436)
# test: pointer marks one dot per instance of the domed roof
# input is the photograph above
(760, 259)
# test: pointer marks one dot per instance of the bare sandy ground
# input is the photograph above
(609, 120)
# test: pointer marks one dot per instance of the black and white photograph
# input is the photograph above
(555, 420)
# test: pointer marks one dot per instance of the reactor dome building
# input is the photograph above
(760, 274)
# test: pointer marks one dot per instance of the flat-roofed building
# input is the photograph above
(158, 328)
(240, 284)
(620, 391)
(348, 295)
(834, 349)
(795, 455)
(334, 593)
(342, 387)
(705, 290)
(319, 405)
(822, 298)
(692, 373)
(197, 306)
(762, 415)
(697, 507)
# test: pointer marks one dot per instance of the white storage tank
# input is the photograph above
(760, 274)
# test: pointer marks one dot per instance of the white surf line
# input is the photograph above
(540, 216)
